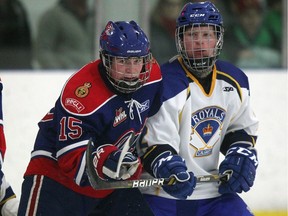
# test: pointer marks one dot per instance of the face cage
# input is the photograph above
(200, 66)
(127, 85)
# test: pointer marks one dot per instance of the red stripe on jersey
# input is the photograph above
(48, 117)
(2, 142)
(50, 168)
(34, 196)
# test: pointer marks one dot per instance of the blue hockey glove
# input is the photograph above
(167, 165)
(243, 162)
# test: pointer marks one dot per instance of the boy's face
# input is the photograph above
(200, 41)
(126, 68)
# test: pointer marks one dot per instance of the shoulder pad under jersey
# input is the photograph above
(85, 91)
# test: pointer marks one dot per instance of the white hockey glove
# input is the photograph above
(10, 208)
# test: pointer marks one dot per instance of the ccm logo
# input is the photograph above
(228, 89)
(197, 15)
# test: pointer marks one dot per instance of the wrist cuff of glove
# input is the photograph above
(244, 150)
(101, 155)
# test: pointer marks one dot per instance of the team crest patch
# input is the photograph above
(82, 91)
(206, 127)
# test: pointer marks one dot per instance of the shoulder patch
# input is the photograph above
(82, 91)
(85, 91)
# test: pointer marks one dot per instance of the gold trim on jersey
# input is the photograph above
(235, 81)
(213, 82)
(188, 91)
(253, 141)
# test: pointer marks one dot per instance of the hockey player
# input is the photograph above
(206, 112)
(8, 201)
(106, 100)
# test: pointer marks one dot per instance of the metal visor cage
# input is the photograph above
(126, 73)
(199, 45)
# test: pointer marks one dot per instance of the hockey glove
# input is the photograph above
(243, 162)
(171, 166)
(10, 208)
(106, 161)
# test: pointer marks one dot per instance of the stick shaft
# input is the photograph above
(140, 183)
(99, 184)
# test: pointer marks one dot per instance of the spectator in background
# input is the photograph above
(65, 38)
(15, 36)
(8, 202)
(162, 28)
(250, 43)
(273, 21)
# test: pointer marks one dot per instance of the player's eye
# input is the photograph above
(137, 61)
(120, 60)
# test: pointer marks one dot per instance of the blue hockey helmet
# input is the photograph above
(199, 13)
(195, 15)
(125, 40)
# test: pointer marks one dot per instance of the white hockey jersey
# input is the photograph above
(200, 125)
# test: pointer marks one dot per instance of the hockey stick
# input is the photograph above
(99, 184)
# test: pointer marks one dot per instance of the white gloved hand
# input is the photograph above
(10, 208)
